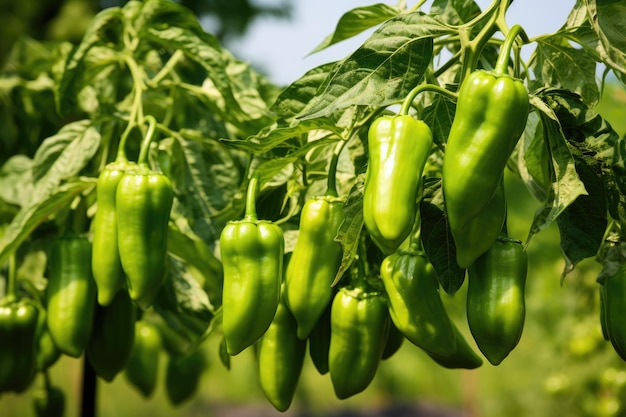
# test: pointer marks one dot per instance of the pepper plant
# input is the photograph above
(154, 141)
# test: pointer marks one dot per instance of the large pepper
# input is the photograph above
(252, 254)
(491, 113)
(71, 294)
(280, 356)
(398, 147)
(110, 345)
(183, 375)
(18, 327)
(143, 200)
(314, 263)
(142, 369)
(105, 259)
(495, 298)
(415, 306)
(359, 328)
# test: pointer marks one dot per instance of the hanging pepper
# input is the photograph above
(359, 328)
(280, 356)
(252, 254)
(614, 291)
(495, 298)
(463, 357)
(143, 200)
(491, 113)
(105, 259)
(398, 147)
(183, 376)
(316, 257)
(319, 342)
(142, 369)
(71, 294)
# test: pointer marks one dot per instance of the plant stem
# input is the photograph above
(408, 100)
(11, 294)
(147, 140)
(503, 58)
(253, 186)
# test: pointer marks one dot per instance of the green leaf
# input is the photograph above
(63, 156)
(455, 12)
(349, 232)
(439, 115)
(383, 70)
(556, 63)
(29, 217)
(607, 20)
(16, 182)
(356, 21)
(437, 238)
(532, 159)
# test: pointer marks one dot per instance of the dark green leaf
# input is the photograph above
(356, 21)
(439, 116)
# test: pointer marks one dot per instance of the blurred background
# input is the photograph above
(562, 365)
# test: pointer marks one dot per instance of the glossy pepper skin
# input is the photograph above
(111, 343)
(143, 200)
(71, 294)
(252, 255)
(280, 356)
(142, 369)
(314, 263)
(495, 298)
(18, 327)
(480, 232)
(359, 328)
(105, 259)
(491, 113)
(463, 357)
(398, 147)
(415, 306)
(183, 376)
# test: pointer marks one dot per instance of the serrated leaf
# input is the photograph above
(356, 21)
(63, 156)
(30, 217)
(384, 69)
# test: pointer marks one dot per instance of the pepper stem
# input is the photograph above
(11, 294)
(253, 186)
(503, 58)
(147, 140)
(408, 100)
(331, 188)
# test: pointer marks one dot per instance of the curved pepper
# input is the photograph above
(280, 356)
(110, 346)
(142, 369)
(415, 306)
(495, 298)
(359, 328)
(252, 254)
(398, 147)
(18, 327)
(491, 113)
(314, 263)
(71, 294)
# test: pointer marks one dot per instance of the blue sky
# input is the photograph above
(279, 47)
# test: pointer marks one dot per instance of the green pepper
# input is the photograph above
(398, 147)
(110, 346)
(359, 328)
(71, 294)
(495, 298)
(415, 306)
(314, 263)
(491, 113)
(252, 254)
(463, 357)
(280, 356)
(105, 258)
(143, 201)
(393, 343)
(319, 342)
(603, 325)
(183, 376)
(614, 307)
(18, 327)
(142, 369)
(49, 402)
(46, 351)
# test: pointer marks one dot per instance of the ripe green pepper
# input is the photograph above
(491, 113)
(18, 327)
(319, 342)
(415, 306)
(252, 254)
(142, 369)
(110, 346)
(314, 263)
(398, 147)
(280, 356)
(183, 375)
(495, 298)
(105, 259)
(143, 201)
(71, 294)
(480, 232)
(359, 326)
